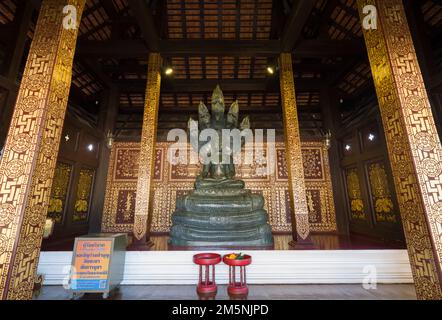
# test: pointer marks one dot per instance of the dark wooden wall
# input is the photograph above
(364, 155)
(75, 153)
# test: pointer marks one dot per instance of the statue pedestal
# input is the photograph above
(220, 214)
(307, 244)
(140, 245)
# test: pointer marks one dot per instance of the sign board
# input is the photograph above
(91, 265)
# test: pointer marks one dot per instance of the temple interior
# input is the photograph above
(86, 114)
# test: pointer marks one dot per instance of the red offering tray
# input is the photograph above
(206, 281)
(206, 259)
(237, 278)
(233, 262)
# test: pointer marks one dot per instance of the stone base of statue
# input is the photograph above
(220, 214)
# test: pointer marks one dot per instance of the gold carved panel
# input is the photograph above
(59, 191)
(356, 203)
(84, 193)
(381, 198)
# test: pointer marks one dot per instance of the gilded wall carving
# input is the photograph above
(414, 147)
(59, 191)
(356, 203)
(84, 193)
(148, 139)
(28, 164)
(293, 147)
(382, 201)
(172, 181)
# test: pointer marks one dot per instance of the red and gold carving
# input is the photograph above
(414, 147)
(293, 148)
(29, 160)
(177, 180)
(147, 156)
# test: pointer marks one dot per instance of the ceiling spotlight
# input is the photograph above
(347, 147)
(371, 137)
(168, 71)
(90, 147)
(270, 70)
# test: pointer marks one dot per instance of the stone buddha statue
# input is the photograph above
(219, 212)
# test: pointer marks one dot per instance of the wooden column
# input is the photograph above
(143, 204)
(27, 167)
(413, 144)
(107, 120)
(332, 118)
(300, 223)
(18, 34)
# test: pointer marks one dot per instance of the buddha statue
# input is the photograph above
(219, 212)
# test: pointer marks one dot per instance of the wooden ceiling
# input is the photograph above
(230, 42)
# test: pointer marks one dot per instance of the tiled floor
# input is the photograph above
(257, 292)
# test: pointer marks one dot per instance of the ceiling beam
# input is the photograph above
(297, 67)
(137, 49)
(330, 48)
(295, 24)
(220, 47)
(207, 85)
(143, 15)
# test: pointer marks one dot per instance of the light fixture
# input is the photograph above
(109, 139)
(371, 137)
(67, 138)
(168, 71)
(271, 70)
(347, 147)
(167, 67)
(327, 140)
(90, 147)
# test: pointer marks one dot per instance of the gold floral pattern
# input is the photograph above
(84, 192)
(59, 191)
(380, 193)
(357, 209)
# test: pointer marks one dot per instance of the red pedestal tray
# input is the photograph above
(206, 282)
(237, 286)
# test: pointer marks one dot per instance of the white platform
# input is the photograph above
(268, 267)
